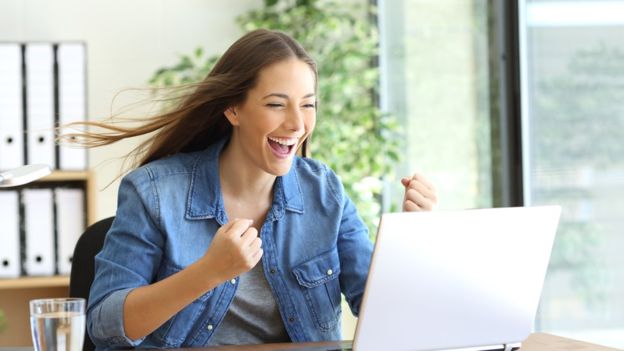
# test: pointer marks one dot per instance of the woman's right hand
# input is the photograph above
(235, 249)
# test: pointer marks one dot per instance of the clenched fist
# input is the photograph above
(420, 195)
(235, 249)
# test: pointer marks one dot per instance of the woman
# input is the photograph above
(223, 235)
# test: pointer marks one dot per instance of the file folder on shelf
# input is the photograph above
(39, 231)
(11, 107)
(72, 96)
(70, 221)
(9, 235)
(40, 104)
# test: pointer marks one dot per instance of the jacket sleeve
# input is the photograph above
(354, 248)
(130, 258)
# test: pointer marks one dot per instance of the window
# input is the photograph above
(440, 78)
(573, 129)
(436, 81)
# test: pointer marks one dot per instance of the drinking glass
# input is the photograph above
(57, 324)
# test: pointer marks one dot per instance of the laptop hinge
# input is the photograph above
(512, 347)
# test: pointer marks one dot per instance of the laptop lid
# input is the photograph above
(455, 279)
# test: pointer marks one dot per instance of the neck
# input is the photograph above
(241, 179)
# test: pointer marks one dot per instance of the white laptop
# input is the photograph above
(469, 279)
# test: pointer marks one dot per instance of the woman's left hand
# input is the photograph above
(420, 195)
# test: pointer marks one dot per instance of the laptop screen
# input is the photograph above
(456, 279)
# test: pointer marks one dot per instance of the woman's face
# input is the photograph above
(278, 114)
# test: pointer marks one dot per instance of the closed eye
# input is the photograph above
(274, 105)
(309, 106)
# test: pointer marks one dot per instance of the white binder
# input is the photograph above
(70, 222)
(9, 235)
(72, 99)
(40, 104)
(39, 231)
(11, 116)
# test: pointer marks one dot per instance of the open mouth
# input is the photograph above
(282, 147)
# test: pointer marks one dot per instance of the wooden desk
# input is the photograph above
(535, 342)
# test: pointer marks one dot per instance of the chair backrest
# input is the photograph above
(83, 264)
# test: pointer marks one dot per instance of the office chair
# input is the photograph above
(83, 264)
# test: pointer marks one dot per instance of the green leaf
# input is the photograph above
(199, 52)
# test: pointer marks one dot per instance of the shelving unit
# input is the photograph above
(34, 282)
(14, 297)
(16, 293)
(75, 176)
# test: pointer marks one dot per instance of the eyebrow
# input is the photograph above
(285, 96)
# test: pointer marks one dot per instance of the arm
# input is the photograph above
(354, 246)
(125, 303)
(148, 307)
(355, 250)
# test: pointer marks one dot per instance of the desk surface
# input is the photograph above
(535, 342)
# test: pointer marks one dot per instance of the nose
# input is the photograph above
(294, 120)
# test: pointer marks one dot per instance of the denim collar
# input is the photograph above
(205, 199)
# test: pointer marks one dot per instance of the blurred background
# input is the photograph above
(498, 103)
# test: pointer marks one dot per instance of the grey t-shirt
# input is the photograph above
(253, 316)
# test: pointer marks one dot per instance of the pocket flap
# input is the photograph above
(318, 270)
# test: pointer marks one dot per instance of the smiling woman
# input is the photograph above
(262, 241)
(276, 118)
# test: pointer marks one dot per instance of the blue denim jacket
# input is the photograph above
(315, 247)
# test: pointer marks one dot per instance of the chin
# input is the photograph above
(282, 169)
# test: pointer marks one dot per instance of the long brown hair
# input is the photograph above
(197, 121)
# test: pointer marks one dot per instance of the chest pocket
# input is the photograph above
(318, 280)
(174, 331)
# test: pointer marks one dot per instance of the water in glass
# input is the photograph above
(57, 324)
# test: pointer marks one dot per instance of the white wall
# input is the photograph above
(127, 40)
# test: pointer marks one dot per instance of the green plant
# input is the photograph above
(352, 135)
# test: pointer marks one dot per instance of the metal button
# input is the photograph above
(272, 270)
(330, 272)
(233, 281)
(291, 319)
(209, 327)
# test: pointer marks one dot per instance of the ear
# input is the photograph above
(232, 116)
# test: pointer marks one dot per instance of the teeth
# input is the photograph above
(284, 141)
